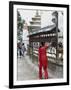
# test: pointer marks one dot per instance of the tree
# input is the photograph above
(20, 23)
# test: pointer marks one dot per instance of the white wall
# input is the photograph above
(4, 40)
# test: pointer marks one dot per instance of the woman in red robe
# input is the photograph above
(43, 60)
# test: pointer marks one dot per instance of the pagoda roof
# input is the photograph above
(36, 18)
(35, 21)
(44, 30)
(34, 25)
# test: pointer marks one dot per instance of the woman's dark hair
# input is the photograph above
(42, 44)
(22, 43)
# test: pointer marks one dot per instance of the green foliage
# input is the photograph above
(20, 23)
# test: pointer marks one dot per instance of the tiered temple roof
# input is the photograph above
(35, 23)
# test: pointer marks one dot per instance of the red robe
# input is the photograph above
(43, 57)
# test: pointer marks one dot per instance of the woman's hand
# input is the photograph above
(46, 44)
(50, 44)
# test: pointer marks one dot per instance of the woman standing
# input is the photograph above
(43, 60)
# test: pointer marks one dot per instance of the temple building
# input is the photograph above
(46, 34)
(35, 26)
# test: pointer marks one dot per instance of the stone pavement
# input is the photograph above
(29, 71)
(26, 69)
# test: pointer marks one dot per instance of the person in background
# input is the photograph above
(43, 60)
(17, 50)
(20, 50)
(23, 49)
